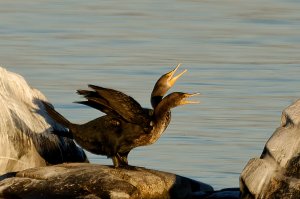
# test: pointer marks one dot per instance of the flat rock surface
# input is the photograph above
(83, 180)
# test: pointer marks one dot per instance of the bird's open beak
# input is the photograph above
(187, 95)
(171, 79)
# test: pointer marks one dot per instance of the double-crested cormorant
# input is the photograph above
(126, 124)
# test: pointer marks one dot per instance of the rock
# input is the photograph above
(83, 180)
(26, 130)
(276, 173)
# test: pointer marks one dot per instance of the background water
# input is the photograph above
(243, 56)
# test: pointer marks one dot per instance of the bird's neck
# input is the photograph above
(163, 108)
(155, 100)
(158, 93)
(161, 122)
(162, 117)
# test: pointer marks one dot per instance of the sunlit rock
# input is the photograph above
(26, 137)
(276, 173)
(82, 180)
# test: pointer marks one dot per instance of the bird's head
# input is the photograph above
(169, 79)
(179, 98)
(173, 100)
(163, 84)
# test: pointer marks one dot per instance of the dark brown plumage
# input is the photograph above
(126, 124)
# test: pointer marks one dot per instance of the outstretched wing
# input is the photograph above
(116, 103)
(96, 101)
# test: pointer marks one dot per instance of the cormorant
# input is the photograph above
(126, 124)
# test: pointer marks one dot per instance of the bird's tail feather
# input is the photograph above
(56, 116)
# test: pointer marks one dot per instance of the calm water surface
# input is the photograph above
(243, 56)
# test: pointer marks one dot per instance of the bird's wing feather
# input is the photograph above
(96, 105)
(114, 102)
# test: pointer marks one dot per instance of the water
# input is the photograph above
(243, 56)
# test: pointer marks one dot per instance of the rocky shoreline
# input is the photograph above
(31, 147)
(274, 175)
(84, 180)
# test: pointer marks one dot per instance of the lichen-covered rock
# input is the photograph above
(276, 173)
(83, 180)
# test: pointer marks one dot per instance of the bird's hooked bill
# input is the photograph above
(172, 79)
(188, 95)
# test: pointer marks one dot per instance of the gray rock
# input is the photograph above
(276, 173)
(26, 130)
(83, 180)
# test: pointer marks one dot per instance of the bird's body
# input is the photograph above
(111, 131)
(126, 124)
(113, 136)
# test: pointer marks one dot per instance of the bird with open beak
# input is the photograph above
(126, 124)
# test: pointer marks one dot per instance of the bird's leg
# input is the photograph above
(125, 160)
(122, 159)
(115, 160)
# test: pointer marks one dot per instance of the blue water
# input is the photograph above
(243, 56)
